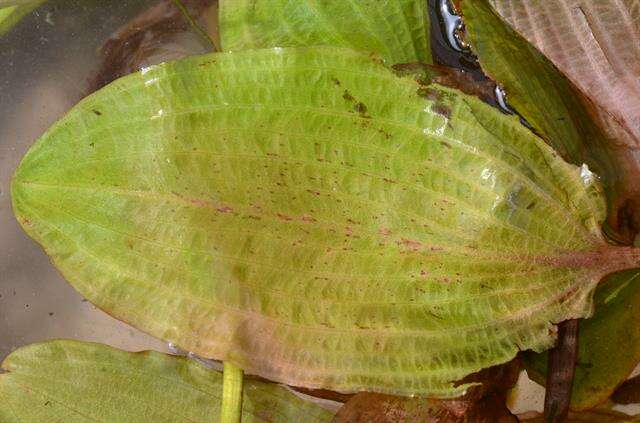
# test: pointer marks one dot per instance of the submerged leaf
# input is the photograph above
(609, 346)
(555, 109)
(309, 216)
(596, 43)
(71, 381)
(397, 30)
(153, 36)
(11, 12)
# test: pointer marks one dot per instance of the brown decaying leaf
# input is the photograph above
(560, 372)
(602, 415)
(596, 43)
(483, 403)
(130, 47)
(628, 392)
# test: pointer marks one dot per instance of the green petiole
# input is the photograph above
(231, 409)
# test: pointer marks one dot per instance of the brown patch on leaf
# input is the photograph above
(362, 110)
(465, 81)
(442, 110)
(411, 244)
(384, 231)
(284, 217)
(347, 96)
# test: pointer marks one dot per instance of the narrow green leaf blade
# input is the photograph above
(73, 381)
(310, 217)
(397, 30)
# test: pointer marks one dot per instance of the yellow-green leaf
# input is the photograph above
(398, 30)
(71, 381)
(312, 218)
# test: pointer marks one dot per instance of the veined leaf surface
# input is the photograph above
(313, 218)
(556, 109)
(398, 30)
(71, 381)
(596, 43)
(609, 350)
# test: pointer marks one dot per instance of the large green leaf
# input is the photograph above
(553, 106)
(312, 218)
(398, 30)
(71, 381)
(609, 343)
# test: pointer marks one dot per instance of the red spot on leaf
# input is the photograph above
(411, 244)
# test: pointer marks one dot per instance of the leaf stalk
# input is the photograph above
(231, 409)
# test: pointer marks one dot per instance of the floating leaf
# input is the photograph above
(552, 105)
(81, 381)
(311, 217)
(609, 343)
(398, 30)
